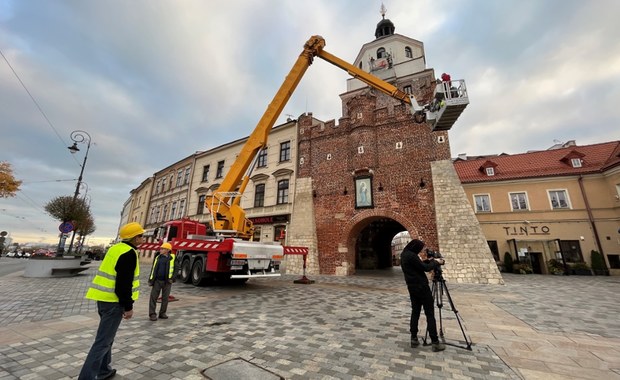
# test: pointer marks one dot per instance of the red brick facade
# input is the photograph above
(376, 138)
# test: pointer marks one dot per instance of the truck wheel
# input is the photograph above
(186, 271)
(197, 272)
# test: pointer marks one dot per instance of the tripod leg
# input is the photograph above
(444, 286)
(439, 307)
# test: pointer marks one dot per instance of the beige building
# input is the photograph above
(560, 203)
(179, 190)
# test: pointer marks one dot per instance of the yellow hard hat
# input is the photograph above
(130, 230)
(166, 246)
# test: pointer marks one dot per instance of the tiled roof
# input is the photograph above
(595, 158)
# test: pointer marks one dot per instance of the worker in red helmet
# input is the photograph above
(445, 77)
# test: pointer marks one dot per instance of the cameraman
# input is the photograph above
(415, 263)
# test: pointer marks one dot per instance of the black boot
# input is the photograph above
(414, 342)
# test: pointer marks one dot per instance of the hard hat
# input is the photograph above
(166, 246)
(130, 230)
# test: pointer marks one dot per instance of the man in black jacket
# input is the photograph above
(415, 264)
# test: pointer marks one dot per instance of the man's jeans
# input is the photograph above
(97, 364)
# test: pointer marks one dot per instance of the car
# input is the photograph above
(43, 253)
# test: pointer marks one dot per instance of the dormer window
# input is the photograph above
(381, 53)
(408, 52)
(575, 162)
(488, 168)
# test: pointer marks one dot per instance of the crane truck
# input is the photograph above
(223, 250)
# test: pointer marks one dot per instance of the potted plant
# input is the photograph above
(598, 264)
(555, 266)
(581, 269)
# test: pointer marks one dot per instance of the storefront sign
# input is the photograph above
(270, 219)
(527, 230)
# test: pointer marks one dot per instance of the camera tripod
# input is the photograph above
(438, 289)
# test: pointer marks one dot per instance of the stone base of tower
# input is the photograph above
(461, 241)
(301, 231)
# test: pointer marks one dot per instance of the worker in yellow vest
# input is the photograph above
(115, 288)
(161, 279)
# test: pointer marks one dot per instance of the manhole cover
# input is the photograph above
(239, 369)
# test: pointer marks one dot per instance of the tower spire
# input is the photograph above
(383, 10)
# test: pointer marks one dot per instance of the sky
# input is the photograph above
(153, 81)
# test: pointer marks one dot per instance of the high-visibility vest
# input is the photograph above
(104, 283)
(170, 266)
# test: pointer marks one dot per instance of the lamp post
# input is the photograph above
(78, 137)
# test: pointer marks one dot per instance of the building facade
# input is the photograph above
(558, 204)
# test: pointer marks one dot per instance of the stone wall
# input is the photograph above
(461, 241)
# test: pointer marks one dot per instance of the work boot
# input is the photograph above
(153, 317)
(163, 316)
(438, 346)
(414, 342)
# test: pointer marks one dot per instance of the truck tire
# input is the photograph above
(197, 273)
(186, 271)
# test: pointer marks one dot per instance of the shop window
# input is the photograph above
(279, 233)
(614, 261)
(571, 250)
(256, 235)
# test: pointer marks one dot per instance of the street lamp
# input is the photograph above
(78, 137)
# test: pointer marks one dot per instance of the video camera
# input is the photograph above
(433, 254)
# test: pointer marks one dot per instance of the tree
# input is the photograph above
(9, 186)
(65, 208)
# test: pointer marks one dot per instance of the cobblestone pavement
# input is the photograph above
(356, 327)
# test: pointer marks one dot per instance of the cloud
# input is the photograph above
(154, 81)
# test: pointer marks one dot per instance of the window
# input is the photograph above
(381, 53)
(220, 170)
(285, 151)
(205, 173)
(186, 179)
(164, 214)
(201, 204)
(262, 158)
(282, 191)
(173, 211)
(182, 208)
(490, 171)
(483, 203)
(614, 261)
(571, 251)
(171, 180)
(407, 89)
(259, 195)
(494, 249)
(256, 236)
(279, 233)
(558, 198)
(179, 177)
(408, 52)
(575, 162)
(518, 201)
(158, 187)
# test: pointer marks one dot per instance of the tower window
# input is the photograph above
(381, 53)
(408, 52)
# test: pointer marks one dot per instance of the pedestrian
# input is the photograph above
(161, 279)
(115, 288)
(415, 264)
